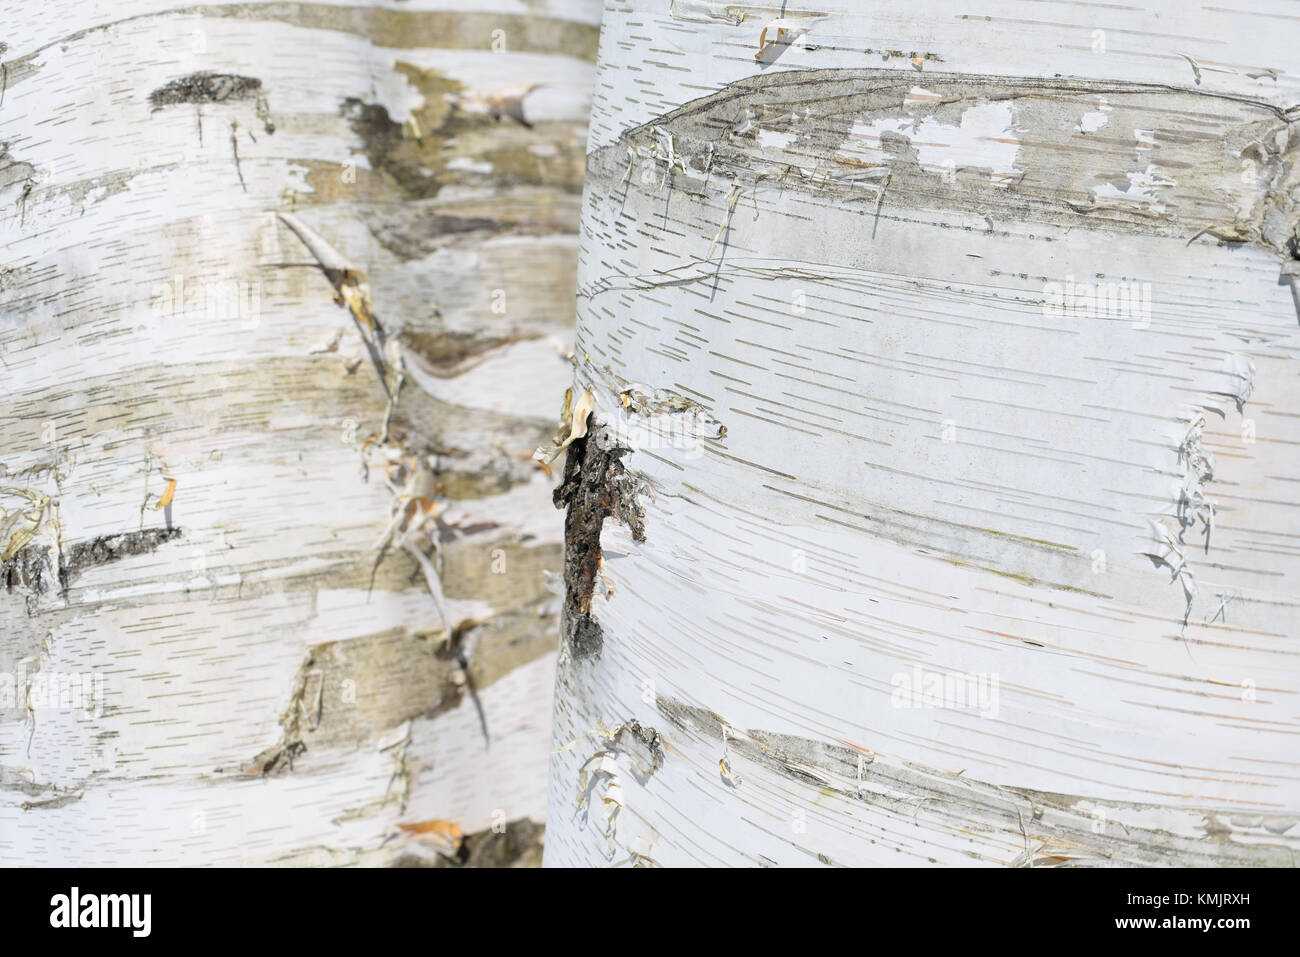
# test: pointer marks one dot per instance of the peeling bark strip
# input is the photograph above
(996, 310)
(594, 487)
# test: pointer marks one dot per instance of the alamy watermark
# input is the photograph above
(233, 300)
(920, 688)
(75, 909)
(1128, 300)
(52, 691)
(679, 433)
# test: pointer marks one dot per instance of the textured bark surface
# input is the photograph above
(956, 351)
(230, 234)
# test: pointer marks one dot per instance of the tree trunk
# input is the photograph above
(938, 504)
(287, 297)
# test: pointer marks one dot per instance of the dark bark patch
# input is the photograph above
(29, 568)
(112, 548)
(206, 87)
(595, 486)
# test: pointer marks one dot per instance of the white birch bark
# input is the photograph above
(184, 193)
(887, 544)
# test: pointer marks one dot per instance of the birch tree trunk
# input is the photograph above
(939, 500)
(287, 300)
